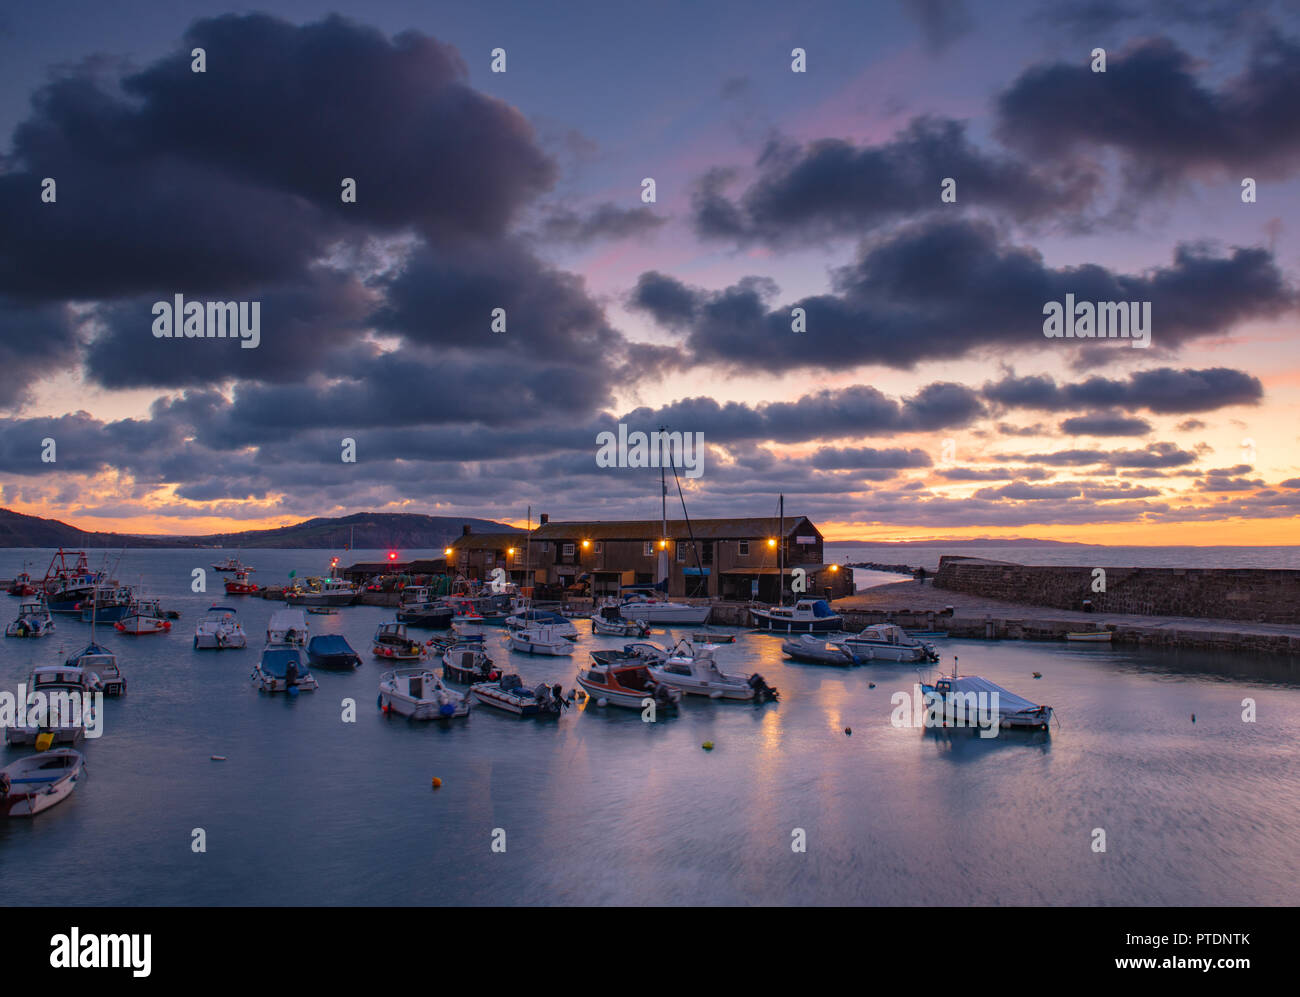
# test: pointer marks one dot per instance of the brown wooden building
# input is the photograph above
(475, 555)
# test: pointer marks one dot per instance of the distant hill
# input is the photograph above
(960, 542)
(364, 530)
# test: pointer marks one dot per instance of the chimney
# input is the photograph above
(545, 519)
(464, 530)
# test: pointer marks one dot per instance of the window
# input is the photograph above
(546, 546)
(568, 550)
(595, 547)
(681, 552)
(743, 548)
(648, 549)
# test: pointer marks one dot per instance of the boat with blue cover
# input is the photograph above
(332, 652)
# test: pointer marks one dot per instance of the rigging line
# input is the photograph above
(690, 532)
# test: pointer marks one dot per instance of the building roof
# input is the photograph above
(500, 542)
(652, 529)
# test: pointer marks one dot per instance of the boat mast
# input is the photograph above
(528, 554)
(663, 528)
(780, 547)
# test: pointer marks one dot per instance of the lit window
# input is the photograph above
(649, 549)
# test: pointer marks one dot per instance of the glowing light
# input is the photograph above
(771, 543)
(447, 552)
(586, 543)
(392, 555)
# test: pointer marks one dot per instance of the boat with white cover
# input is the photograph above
(510, 694)
(693, 670)
(813, 650)
(419, 694)
(34, 620)
(39, 781)
(964, 699)
(219, 630)
(283, 669)
(560, 625)
(539, 639)
(886, 642)
(288, 626)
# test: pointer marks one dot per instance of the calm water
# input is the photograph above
(1086, 554)
(599, 808)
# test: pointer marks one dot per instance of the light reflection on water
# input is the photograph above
(599, 807)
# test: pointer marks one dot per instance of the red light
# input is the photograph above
(392, 555)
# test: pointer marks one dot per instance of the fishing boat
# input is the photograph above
(887, 642)
(287, 626)
(22, 585)
(609, 622)
(392, 641)
(467, 664)
(656, 611)
(509, 693)
(419, 608)
(329, 591)
(102, 663)
(463, 609)
(282, 669)
(219, 631)
(145, 618)
(970, 700)
(63, 710)
(34, 620)
(241, 584)
(332, 652)
(419, 694)
(231, 564)
(628, 684)
(1094, 636)
(814, 651)
(69, 582)
(539, 638)
(527, 618)
(108, 604)
(693, 670)
(39, 781)
(806, 616)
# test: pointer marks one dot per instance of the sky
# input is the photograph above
(800, 294)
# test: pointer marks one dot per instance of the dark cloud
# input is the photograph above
(605, 221)
(942, 22)
(1163, 390)
(1105, 424)
(1154, 455)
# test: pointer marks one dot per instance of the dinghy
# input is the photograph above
(539, 639)
(814, 651)
(693, 670)
(467, 664)
(610, 623)
(419, 694)
(34, 620)
(39, 781)
(510, 694)
(332, 652)
(282, 669)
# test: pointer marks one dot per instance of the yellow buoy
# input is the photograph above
(707, 745)
(43, 741)
(436, 782)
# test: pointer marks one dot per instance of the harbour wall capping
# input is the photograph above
(1254, 595)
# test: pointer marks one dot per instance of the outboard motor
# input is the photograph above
(290, 675)
(662, 696)
(762, 691)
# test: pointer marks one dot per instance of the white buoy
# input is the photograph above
(602, 701)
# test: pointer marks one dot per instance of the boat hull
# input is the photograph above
(426, 619)
(525, 646)
(674, 614)
(322, 598)
(764, 620)
(28, 795)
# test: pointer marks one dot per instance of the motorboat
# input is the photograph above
(39, 781)
(241, 584)
(332, 652)
(693, 670)
(467, 664)
(419, 608)
(609, 622)
(560, 625)
(391, 641)
(626, 684)
(510, 694)
(34, 620)
(886, 642)
(816, 651)
(145, 618)
(642, 651)
(69, 582)
(231, 564)
(539, 638)
(219, 631)
(64, 708)
(321, 610)
(971, 700)
(463, 609)
(661, 612)
(805, 616)
(288, 626)
(329, 591)
(22, 585)
(101, 662)
(108, 604)
(282, 669)
(419, 694)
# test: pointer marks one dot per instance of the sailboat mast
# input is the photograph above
(780, 546)
(528, 551)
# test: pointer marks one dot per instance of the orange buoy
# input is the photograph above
(437, 783)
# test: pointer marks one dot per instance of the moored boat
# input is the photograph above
(971, 701)
(219, 630)
(1091, 636)
(102, 663)
(510, 694)
(419, 608)
(287, 626)
(815, 651)
(230, 564)
(282, 669)
(34, 620)
(328, 591)
(609, 622)
(661, 612)
(108, 604)
(419, 694)
(886, 642)
(539, 639)
(467, 664)
(61, 704)
(332, 652)
(693, 670)
(559, 625)
(628, 684)
(69, 582)
(39, 781)
(805, 616)
(22, 585)
(241, 584)
(145, 618)
(392, 641)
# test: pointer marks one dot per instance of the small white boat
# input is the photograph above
(627, 684)
(64, 709)
(419, 694)
(287, 626)
(102, 663)
(219, 631)
(282, 669)
(886, 642)
(144, 617)
(1095, 636)
(969, 700)
(609, 622)
(34, 620)
(805, 617)
(661, 612)
(560, 626)
(815, 651)
(510, 694)
(231, 563)
(693, 670)
(539, 639)
(39, 781)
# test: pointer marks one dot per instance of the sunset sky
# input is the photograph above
(922, 399)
